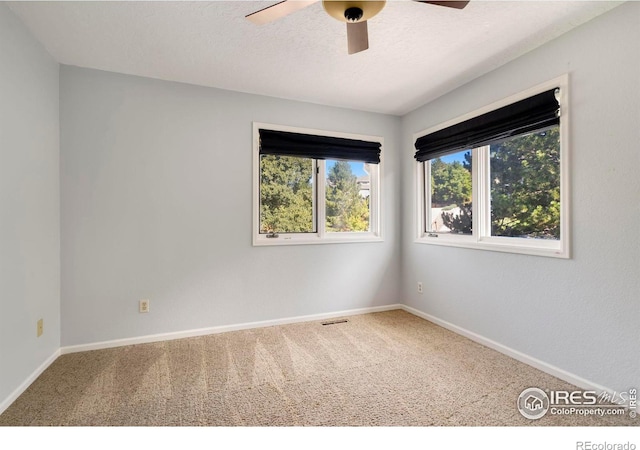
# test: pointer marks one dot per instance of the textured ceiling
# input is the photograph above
(417, 51)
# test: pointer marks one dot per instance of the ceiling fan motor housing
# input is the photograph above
(352, 11)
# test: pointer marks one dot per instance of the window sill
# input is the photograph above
(551, 249)
(259, 241)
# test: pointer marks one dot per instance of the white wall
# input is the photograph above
(156, 203)
(29, 204)
(580, 315)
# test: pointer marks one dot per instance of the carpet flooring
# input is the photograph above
(381, 369)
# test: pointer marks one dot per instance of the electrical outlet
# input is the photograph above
(144, 306)
(420, 290)
(40, 328)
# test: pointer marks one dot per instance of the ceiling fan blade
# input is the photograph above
(450, 4)
(274, 12)
(357, 36)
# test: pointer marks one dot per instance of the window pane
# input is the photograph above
(525, 186)
(451, 194)
(286, 194)
(347, 196)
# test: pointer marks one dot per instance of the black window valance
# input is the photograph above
(525, 116)
(284, 143)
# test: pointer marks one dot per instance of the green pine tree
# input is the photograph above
(346, 209)
(450, 183)
(286, 194)
(525, 186)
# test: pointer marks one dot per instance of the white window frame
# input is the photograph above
(321, 236)
(481, 237)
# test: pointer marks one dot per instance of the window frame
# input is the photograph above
(320, 236)
(481, 191)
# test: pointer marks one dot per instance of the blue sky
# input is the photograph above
(356, 167)
(454, 157)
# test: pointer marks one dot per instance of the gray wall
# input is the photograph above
(580, 315)
(29, 204)
(156, 203)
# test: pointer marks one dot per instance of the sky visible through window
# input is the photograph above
(356, 167)
(449, 159)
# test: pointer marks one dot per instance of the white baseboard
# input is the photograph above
(27, 382)
(515, 354)
(526, 359)
(179, 335)
(221, 329)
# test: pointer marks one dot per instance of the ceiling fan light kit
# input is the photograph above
(354, 13)
(338, 9)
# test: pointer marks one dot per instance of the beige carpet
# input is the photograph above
(382, 369)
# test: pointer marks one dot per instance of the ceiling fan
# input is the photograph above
(354, 13)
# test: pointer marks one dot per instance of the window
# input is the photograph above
(315, 187)
(451, 194)
(497, 179)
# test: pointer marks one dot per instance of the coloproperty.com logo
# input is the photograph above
(534, 403)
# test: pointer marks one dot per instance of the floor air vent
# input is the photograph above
(334, 322)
